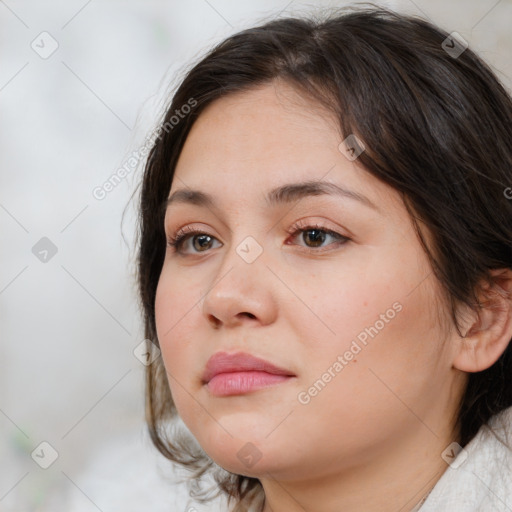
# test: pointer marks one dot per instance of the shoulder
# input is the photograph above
(479, 479)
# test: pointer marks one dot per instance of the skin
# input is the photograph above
(372, 438)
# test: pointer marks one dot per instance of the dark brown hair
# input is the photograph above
(436, 127)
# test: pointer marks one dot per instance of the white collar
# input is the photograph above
(480, 478)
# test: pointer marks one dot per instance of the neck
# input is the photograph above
(400, 478)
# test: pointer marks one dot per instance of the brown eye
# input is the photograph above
(316, 236)
(200, 241)
(203, 242)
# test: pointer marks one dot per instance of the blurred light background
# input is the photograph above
(82, 83)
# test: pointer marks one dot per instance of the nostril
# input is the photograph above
(214, 321)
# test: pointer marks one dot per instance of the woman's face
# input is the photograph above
(353, 320)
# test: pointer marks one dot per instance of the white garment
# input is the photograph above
(131, 476)
(483, 480)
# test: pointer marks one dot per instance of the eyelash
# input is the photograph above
(176, 241)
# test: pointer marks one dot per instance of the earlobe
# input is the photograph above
(490, 332)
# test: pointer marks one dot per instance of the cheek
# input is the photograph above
(345, 304)
(174, 307)
(380, 323)
(365, 399)
(175, 325)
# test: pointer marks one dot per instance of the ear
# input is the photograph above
(489, 332)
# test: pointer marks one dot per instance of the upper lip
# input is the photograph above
(222, 362)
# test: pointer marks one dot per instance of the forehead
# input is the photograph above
(264, 127)
(248, 143)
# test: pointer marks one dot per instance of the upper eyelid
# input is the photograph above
(298, 225)
(305, 220)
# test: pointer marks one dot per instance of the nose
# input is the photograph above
(241, 292)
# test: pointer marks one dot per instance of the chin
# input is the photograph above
(248, 460)
(244, 454)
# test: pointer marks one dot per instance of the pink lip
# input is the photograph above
(234, 374)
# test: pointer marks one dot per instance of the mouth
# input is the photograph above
(235, 374)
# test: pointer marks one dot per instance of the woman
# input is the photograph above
(325, 264)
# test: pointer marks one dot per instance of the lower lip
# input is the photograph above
(238, 383)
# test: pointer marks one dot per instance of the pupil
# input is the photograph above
(201, 244)
(318, 236)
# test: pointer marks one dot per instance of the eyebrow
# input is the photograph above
(283, 194)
